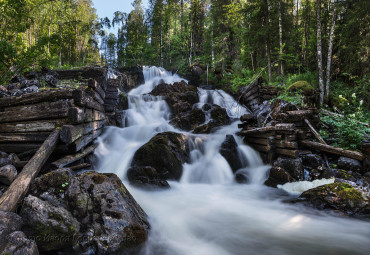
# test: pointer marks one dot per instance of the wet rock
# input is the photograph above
(130, 78)
(8, 173)
(166, 152)
(111, 220)
(189, 120)
(220, 115)
(338, 196)
(211, 127)
(349, 164)
(146, 177)
(5, 161)
(17, 79)
(12, 240)
(51, 80)
(292, 166)
(31, 89)
(206, 107)
(278, 175)
(229, 150)
(30, 83)
(54, 227)
(241, 177)
(195, 75)
(12, 86)
(122, 102)
(312, 161)
(3, 89)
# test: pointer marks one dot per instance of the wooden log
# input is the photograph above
(257, 131)
(26, 154)
(109, 108)
(314, 132)
(289, 153)
(65, 161)
(40, 111)
(286, 145)
(23, 147)
(77, 115)
(332, 150)
(293, 116)
(80, 167)
(109, 101)
(84, 141)
(290, 137)
(24, 137)
(246, 117)
(82, 99)
(112, 95)
(262, 141)
(19, 188)
(251, 98)
(95, 86)
(95, 95)
(33, 98)
(261, 135)
(32, 126)
(263, 148)
(252, 91)
(71, 133)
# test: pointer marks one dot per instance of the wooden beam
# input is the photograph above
(65, 161)
(289, 153)
(84, 141)
(32, 126)
(24, 137)
(82, 99)
(71, 133)
(19, 188)
(33, 98)
(78, 115)
(314, 132)
(332, 150)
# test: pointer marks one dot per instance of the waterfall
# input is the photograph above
(206, 212)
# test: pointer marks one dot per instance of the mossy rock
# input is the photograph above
(339, 196)
(303, 86)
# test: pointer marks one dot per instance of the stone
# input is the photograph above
(30, 83)
(146, 177)
(8, 173)
(312, 161)
(31, 89)
(122, 102)
(51, 81)
(292, 166)
(338, 196)
(53, 227)
(189, 120)
(229, 150)
(277, 176)
(166, 152)
(220, 115)
(349, 164)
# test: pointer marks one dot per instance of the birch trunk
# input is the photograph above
(330, 50)
(319, 54)
(281, 38)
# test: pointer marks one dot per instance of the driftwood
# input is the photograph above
(60, 163)
(33, 98)
(332, 150)
(71, 133)
(32, 126)
(314, 132)
(78, 116)
(19, 188)
(82, 99)
(41, 111)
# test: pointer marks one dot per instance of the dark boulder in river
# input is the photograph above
(166, 152)
(146, 177)
(285, 170)
(229, 150)
(92, 213)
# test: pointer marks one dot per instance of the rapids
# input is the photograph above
(206, 212)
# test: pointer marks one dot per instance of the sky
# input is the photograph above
(106, 8)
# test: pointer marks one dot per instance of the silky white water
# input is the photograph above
(206, 212)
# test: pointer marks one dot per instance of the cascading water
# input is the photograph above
(207, 212)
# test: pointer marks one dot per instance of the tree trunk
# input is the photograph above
(281, 38)
(182, 15)
(330, 50)
(19, 188)
(319, 53)
(268, 41)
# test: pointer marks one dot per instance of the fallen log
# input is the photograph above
(82, 99)
(40, 111)
(77, 115)
(263, 148)
(32, 126)
(289, 153)
(24, 137)
(60, 163)
(19, 188)
(33, 98)
(80, 167)
(314, 132)
(112, 95)
(93, 84)
(253, 90)
(84, 141)
(71, 133)
(286, 145)
(332, 150)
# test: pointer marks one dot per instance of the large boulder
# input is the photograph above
(312, 161)
(229, 150)
(131, 77)
(85, 211)
(54, 227)
(340, 196)
(285, 170)
(146, 177)
(166, 152)
(189, 120)
(8, 173)
(12, 240)
(349, 164)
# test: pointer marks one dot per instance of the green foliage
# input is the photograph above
(345, 131)
(303, 86)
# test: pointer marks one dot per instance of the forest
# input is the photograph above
(181, 127)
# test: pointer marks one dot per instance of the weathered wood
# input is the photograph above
(112, 95)
(95, 95)
(253, 90)
(289, 153)
(262, 141)
(65, 161)
(263, 148)
(109, 108)
(261, 135)
(33, 98)
(19, 188)
(109, 101)
(290, 137)
(24, 137)
(284, 126)
(257, 131)
(298, 115)
(314, 132)
(82, 99)
(80, 167)
(27, 146)
(40, 111)
(332, 150)
(286, 144)
(77, 115)
(95, 86)
(32, 126)
(84, 141)
(71, 133)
